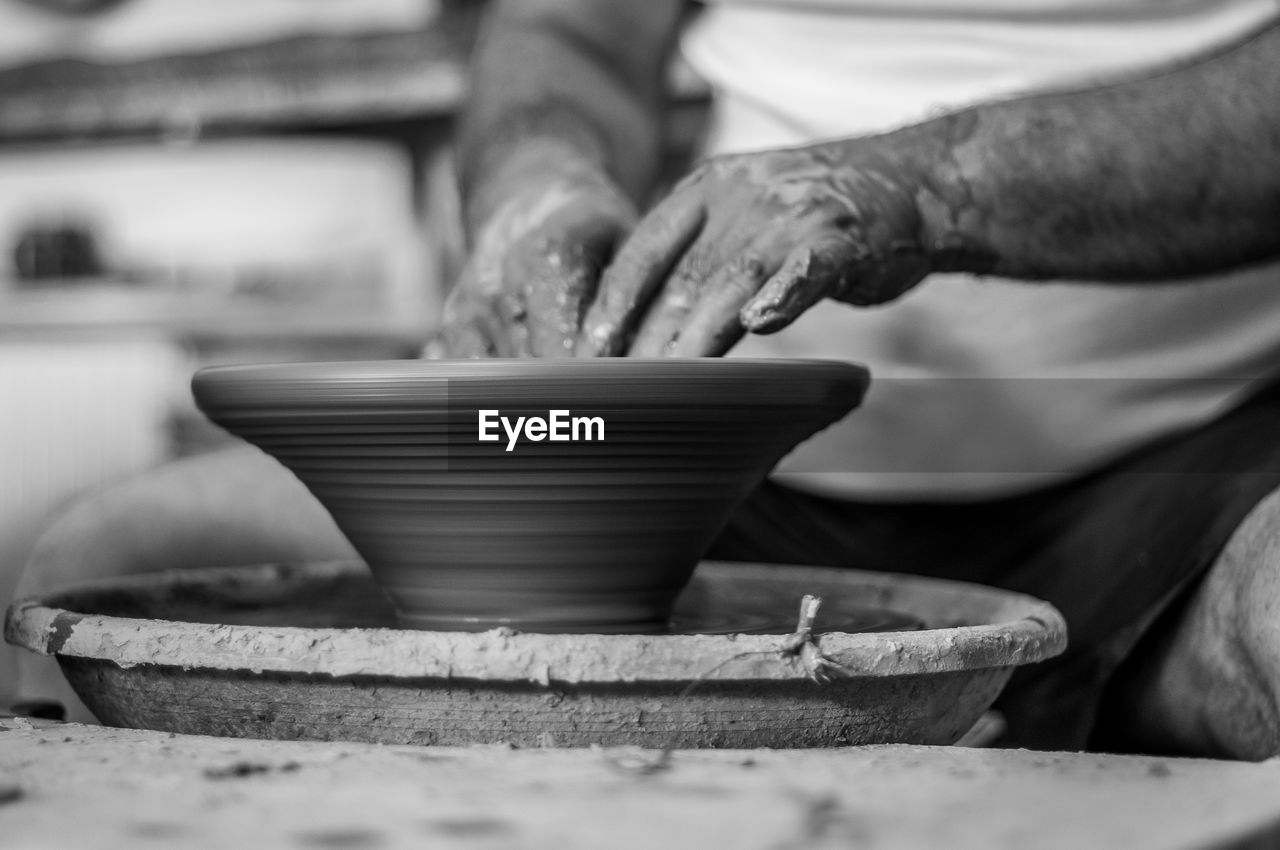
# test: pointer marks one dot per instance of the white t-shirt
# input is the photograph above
(986, 386)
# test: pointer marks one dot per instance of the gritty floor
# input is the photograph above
(69, 786)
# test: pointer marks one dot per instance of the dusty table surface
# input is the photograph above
(67, 786)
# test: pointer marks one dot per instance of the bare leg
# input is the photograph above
(1209, 682)
(236, 506)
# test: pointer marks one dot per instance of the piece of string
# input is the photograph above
(800, 645)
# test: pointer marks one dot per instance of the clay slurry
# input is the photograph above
(558, 426)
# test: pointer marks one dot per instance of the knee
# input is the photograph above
(1240, 604)
(231, 507)
(78, 543)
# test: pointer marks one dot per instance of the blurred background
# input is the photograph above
(186, 183)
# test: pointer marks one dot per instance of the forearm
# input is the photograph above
(568, 85)
(1169, 176)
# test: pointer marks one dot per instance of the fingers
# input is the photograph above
(712, 327)
(563, 280)
(636, 273)
(662, 321)
(703, 312)
(509, 323)
(828, 263)
(476, 337)
(528, 298)
(434, 349)
(462, 332)
(472, 327)
(461, 341)
(535, 265)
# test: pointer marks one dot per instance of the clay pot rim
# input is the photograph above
(503, 366)
(1024, 630)
(647, 382)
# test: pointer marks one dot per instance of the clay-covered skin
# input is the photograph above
(1163, 175)
(534, 268)
(557, 150)
(541, 535)
(749, 242)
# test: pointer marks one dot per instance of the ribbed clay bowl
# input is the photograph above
(595, 532)
(309, 652)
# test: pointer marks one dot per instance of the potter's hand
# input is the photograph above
(534, 268)
(749, 242)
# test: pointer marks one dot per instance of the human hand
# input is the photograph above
(534, 269)
(749, 242)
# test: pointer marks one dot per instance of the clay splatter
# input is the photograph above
(241, 769)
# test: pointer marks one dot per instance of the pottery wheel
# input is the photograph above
(307, 652)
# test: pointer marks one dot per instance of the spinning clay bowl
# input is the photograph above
(541, 495)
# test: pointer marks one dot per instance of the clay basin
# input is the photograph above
(598, 487)
(311, 651)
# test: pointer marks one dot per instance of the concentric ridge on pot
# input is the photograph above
(477, 501)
